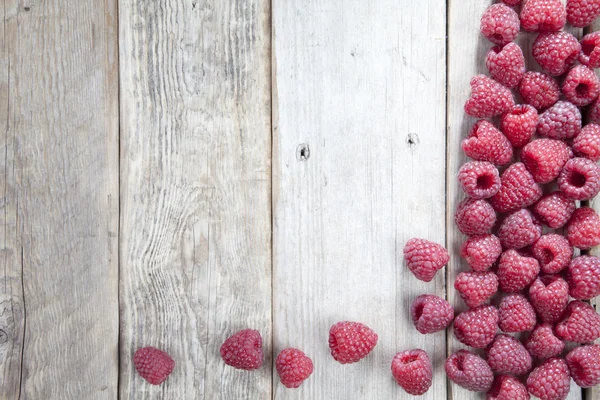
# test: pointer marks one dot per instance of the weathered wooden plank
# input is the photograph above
(195, 191)
(358, 169)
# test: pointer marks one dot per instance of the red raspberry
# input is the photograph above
(519, 124)
(469, 371)
(516, 314)
(487, 143)
(519, 229)
(581, 85)
(587, 143)
(543, 15)
(583, 230)
(553, 251)
(594, 111)
(413, 371)
(476, 327)
(580, 323)
(500, 24)
(561, 121)
(431, 313)
(350, 342)
(555, 52)
(549, 296)
(243, 350)
(516, 271)
(153, 365)
(507, 387)
(506, 64)
(590, 50)
(481, 251)
(539, 90)
(583, 277)
(518, 189)
(506, 355)
(424, 258)
(550, 381)
(293, 367)
(580, 179)
(545, 158)
(543, 344)
(474, 217)
(479, 179)
(554, 209)
(476, 288)
(584, 364)
(488, 98)
(581, 13)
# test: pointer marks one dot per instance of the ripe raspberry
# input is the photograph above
(545, 158)
(476, 327)
(581, 13)
(500, 24)
(516, 271)
(516, 314)
(469, 371)
(293, 367)
(506, 64)
(543, 15)
(581, 85)
(553, 251)
(583, 277)
(583, 230)
(153, 365)
(519, 124)
(350, 342)
(580, 179)
(587, 143)
(479, 179)
(476, 288)
(488, 98)
(243, 350)
(474, 217)
(519, 229)
(584, 364)
(555, 52)
(507, 387)
(506, 355)
(580, 323)
(561, 121)
(424, 258)
(413, 371)
(590, 50)
(550, 381)
(481, 251)
(543, 344)
(549, 296)
(431, 313)
(486, 143)
(554, 209)
(539, 90)
(518, 189)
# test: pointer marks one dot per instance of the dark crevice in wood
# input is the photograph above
(24, 320)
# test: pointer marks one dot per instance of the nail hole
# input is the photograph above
(303, 152)
(412, 139)
(27, 9)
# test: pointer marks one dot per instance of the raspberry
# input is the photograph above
(153, 365)
(476, 288)
(545, 158)
(587, 143)
(539, 90)
(469, 371)
(584, 364)
(413, 371)
(512, 2)
(550, 381)
(488, 98)
(506, 64)
(350, 342)
(561, 121)
(243, 350)
(479, 179)
(476, 327)
(507, 387)
(583, 277)
(583, 229)
(431, 313)
(424, 258)
(518, 189)
(581, 85)
(579, 324)
(549, 296)
(553, 251)
(555, 52)
(580, 179)
(500, 24)
(590, 50)
(581, 13)
(293, 367)
(481, 251)
(474, 217)
(554, 210)
(515, 314)
(516, 272)
(519, 229)
(506, 355)
(543, 344)
(486, 143)
(519, 124)
(543, 15)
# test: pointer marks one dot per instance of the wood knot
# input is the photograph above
(26, 9)
(3, 336)
(302, 152)
(412, 140)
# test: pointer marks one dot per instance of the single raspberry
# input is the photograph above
(469, 371)
(580, 323)
(424, 258)
(243, 350)
(413, 371)
(488, 98)
(474, 217)
(431, 313)
(580, 179)
(554, 210)
(561, 121)
(481, 251)
(479, 179)
(543, 344)
(519, 124)
(500, 24)
(518, 190)
(153, 365)
(539, 90)
(507, 387)
(486, 143)
(506, 355)
(476, 288)
(555, 52)
(293, 367)
(550, 381)
(519, 229)
(584, 364)
(545, 158)
(590, 50)
(583, 229)
(543, 15)
(553, 251)
(350, 342)
(516, 314)
(581, 13)
(506, 64)
(516, 271)
(549, 296)
(583, 277)
(581, 85)
(587, 143)
(476, 327)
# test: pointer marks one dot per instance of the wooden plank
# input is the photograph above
(358, 169)
(59, 279)
(195, 191)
